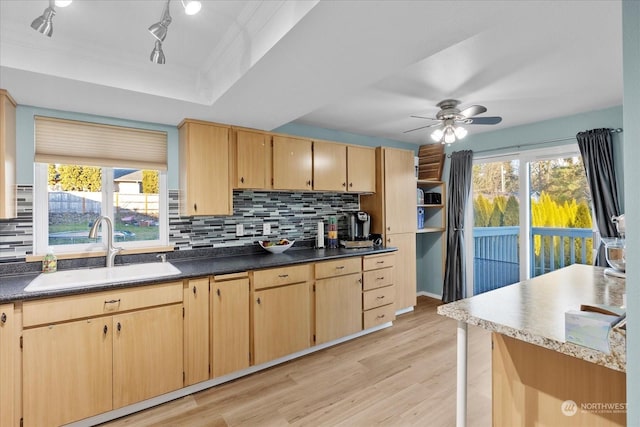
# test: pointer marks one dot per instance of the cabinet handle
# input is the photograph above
(258, 300)
(308, 183)
(344, 184)
(194, 290)
(119, 327)
(242, 179)
(218, 292)
(105, 330)
(112, 301)
(351, 184)
(195, 207)
(340, 267)
(3, 318)
(380, 297)
(379, 262)
(283, 276)
(388, 228)
(380, 278)
(388, 240)
(360, 280)
(380, 316)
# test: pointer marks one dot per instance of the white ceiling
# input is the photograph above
(356, 66)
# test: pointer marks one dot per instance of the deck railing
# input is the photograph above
(497, 258)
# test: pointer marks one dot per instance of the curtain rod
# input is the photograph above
(549, 141)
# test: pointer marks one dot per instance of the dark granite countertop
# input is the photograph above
(12, 285)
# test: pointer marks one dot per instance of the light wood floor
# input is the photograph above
(400, 376)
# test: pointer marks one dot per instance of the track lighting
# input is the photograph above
(159, 29)
(157, 55)
(43, 23)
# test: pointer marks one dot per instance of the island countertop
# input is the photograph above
(533, 311)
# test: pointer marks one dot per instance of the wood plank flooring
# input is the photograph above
(401, 376)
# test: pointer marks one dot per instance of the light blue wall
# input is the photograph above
(631, 55)
(25, 139)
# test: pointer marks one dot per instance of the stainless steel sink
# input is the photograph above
(67, 279)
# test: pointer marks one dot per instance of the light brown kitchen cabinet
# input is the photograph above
(338, 299)
(405, 269)
(292, 163)
(252, 160)
(104, 359)
(205, 185)
(229, 324)
(7, 156)
(196, 330)
(8, 364)
(281, 311)
(393, 210)
(340, 167)
(378, 289)
(361, 169)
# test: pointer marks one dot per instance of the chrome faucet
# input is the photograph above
(93, 234)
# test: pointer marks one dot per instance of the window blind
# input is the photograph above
(93, 144)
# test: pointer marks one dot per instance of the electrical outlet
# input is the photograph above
(239, 230)
(266, 229)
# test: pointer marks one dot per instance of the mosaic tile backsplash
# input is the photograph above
(291, 215)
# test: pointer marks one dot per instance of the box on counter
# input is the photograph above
(591, 329)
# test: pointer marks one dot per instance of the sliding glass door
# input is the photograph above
(530, 214)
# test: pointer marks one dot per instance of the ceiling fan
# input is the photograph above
(450, 120)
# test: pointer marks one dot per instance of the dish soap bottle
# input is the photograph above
(49, 262)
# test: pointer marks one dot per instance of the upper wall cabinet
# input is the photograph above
(204, 169)
(7, 156)
(341, 167)
(252, 151)
(292, 163)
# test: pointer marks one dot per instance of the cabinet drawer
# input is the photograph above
(378, 261)
(378, 316)
(338, 267)
(63, 309)
(377, 278)
(282, 276)
(378, 297)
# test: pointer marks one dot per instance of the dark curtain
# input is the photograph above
(597, 155)
(455, 279)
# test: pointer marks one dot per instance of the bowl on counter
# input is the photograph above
(276, 246)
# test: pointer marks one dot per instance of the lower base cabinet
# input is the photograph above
(281, 321)
(406, 291)
(338, 307)
(8, 363)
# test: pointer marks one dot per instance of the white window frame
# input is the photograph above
(524, 157)
(41, 215)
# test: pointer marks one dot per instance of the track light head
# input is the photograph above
(44, 23)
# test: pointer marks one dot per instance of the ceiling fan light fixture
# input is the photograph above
(449, 135)
(437, 135)
(44, 23)
(191, 7)
(157, 55)
(460, 132)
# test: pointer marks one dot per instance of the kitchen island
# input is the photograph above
(539, 378)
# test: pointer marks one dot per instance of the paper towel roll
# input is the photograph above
(320, 235)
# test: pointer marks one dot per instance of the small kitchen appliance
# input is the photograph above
(614, 249)
(359, 224)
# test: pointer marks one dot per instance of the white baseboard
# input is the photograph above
(429, 294)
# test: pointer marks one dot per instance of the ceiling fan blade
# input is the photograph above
(422, 117)
(484, 120)
(422, 127)
(473, 110)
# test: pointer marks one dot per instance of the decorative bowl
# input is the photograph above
(276, 247)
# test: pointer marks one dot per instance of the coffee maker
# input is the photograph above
(359, 224)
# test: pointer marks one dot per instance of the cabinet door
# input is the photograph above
(67, 371)
(7, 156)
(229, 326)
(400, 191)
(329, 166)
(338, 307)
(204, 170)
(147, 354)
(196, 331)
(361, 169)
(291, 163)
(405, 269)
(253, 160)
(8, 346)
(281, 321)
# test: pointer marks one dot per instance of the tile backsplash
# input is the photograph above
(291, 215)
